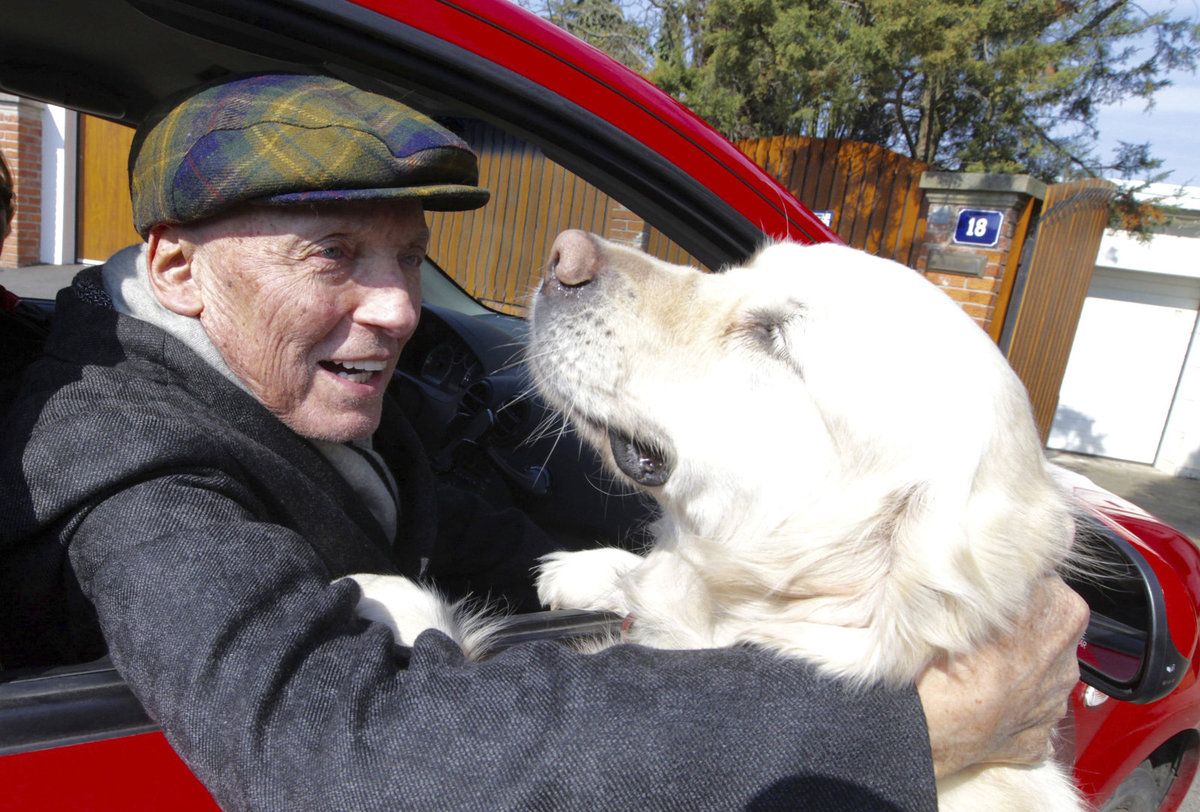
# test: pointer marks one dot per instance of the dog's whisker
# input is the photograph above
(542, 430)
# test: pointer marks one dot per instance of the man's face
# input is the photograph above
(311, 307)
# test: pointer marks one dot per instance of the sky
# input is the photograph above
(1172, 126)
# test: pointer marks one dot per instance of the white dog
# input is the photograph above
(847, 468)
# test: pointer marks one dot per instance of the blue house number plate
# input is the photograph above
(978, 227)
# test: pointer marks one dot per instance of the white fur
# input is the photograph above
(408, 608)
(857, 480)
(584, 580)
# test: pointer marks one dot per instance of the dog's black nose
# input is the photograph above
(574, 259)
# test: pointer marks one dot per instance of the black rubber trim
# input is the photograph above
(1163, 666)
(40, 709)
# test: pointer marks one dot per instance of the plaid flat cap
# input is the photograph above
(283, 139)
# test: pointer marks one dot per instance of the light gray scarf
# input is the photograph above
(128, 285)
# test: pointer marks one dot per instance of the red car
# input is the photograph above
(611, 152)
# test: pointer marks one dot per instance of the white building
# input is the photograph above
(1132, 385)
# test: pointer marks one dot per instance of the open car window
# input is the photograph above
(496, 253)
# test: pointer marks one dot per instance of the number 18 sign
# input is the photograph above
(978, 227)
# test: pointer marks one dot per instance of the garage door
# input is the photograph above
(1125, 364)
(105, 223)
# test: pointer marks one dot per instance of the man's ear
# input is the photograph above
(169, 262)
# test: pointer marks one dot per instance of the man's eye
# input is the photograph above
(331, 252)
(412, 260)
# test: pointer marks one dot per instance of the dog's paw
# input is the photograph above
(588, 579)
(404, 607)
(407, 609)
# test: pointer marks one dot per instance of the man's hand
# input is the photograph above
(1000, 704)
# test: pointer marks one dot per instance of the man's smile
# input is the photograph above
(356, 371)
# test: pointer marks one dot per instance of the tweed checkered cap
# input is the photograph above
(283, 139)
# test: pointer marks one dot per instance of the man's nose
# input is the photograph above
(390, 304)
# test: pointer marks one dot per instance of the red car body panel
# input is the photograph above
(1142, 729)
(96, 775)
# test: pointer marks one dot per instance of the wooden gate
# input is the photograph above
(104, 219)
(1055, 271)
(872, 194)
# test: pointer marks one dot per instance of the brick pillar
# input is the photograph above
(625, 226)
(21, 140)
(978, 277)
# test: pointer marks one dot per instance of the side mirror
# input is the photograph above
(1126, 651)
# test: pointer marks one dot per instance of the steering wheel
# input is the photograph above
(494, 415)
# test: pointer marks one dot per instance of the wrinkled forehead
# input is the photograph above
(404, 219)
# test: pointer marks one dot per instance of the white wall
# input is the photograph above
(58, 186)
(1179, 452)
(1164, 253)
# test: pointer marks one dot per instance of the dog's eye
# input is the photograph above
(774, 331)
(765, 328)
(765, 333)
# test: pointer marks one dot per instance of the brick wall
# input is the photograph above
(978, 295)
(977, 277)
(21, 141)
(625, 226)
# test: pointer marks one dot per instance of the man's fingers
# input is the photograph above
(1002, 702)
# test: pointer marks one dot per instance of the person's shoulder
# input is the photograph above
(89, 407)
(110, 372)
(104, 419)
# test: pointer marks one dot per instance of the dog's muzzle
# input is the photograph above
(573, 272)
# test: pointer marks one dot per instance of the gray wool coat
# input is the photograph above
(148, 498)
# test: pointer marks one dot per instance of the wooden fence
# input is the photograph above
(497, 252)
(872, 194)
(1052, 287)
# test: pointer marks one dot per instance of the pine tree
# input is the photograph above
(984, 85)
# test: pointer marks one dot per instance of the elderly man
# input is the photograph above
(207, 446)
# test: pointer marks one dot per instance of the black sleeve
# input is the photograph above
(279, 697)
